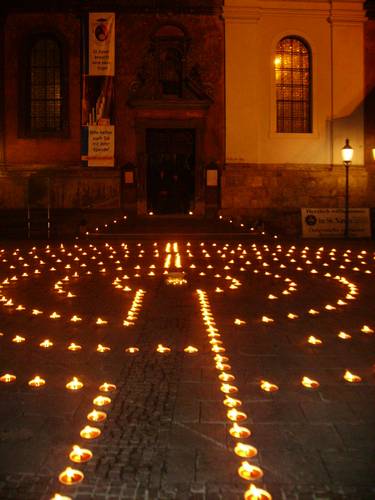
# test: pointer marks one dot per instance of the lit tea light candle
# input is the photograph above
(249, 471)
(18, 339)
(268, 386)
(292, 316)
(222, 366)
(75, 319)
(236, 416)
(162, 349)
(313, 311)
(7, 378)
(239, 322)
(344, 336)
(226, 377)
(102, 401)
(254, 493)
(74, 347)
(36, 312)
(352, 378)
(46, 344)
(80, 455)
(89, 432)
(96, 416)
(232, 402)
(190, 349)
(107, 387)
(366, 329)
(314, 340)
(309, 383)
(55, 315)
(245, 450)
(71, 476)
(74, 384)
(103, 348)
(57, 496)
(36, 382)
(266, 319)
(132, 350)
(101, 321)
(228, 388)
(239, 431)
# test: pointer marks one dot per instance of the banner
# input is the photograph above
(98, 70)
(102, 44)
(330, 222)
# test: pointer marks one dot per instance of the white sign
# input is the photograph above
(101, 146)
(101, 44)
(330, 222)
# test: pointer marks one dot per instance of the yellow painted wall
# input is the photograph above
(334, 31)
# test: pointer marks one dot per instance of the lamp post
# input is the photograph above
(347, 156)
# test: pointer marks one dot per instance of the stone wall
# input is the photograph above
(276, 193)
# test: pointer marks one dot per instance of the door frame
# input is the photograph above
(141, 126)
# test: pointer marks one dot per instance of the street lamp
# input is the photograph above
(347, 156)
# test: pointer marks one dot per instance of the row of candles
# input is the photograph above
(79, 455)
(246, 470)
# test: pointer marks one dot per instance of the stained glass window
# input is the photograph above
(293, 86)
(45, 86)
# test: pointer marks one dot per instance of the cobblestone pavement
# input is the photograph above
(257, 311)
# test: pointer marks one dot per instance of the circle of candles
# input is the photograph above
(74, 384)
(245, 450)
(239, 431)
(268, 386)
(36, 381)
(106, 387)
(235, 415)
(254, 493)
(132, 350)
(249, 471)
(96, 416)
(71, 476)
(7, 378)
(101, 401)
(80, 455)
(89, 432)
(309, 383)
(232, 402)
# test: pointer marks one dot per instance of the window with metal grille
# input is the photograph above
(45, 86)
(293, 86)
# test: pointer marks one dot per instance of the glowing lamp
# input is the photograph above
(162, 349)
(132, 350)
(232, 402)
(309, 383)
(235, 415)
(190, 349)
(268, 386)
(228, 388)
(106, 387)
(347, 152)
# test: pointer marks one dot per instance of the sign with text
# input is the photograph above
(101, 44)
(101, 146)
(330, 222)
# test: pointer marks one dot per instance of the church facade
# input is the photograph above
(238, 107)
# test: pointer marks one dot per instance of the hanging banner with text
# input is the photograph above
(330, 222)
(98, 71)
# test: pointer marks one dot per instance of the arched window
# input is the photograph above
(45, 92)
(293, 86)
